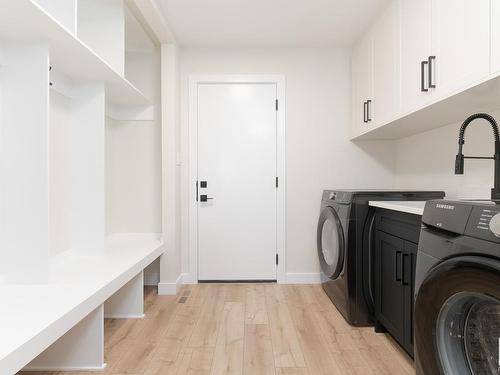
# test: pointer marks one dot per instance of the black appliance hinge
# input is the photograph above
(276, 104)
(277, 182)
(276, 259)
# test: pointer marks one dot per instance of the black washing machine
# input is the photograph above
(345, 247)
(457, 286)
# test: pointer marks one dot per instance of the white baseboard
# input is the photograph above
(290, 278)
(65, 368)
(170, 289)
(303, 278)
(189, 278)
(124, 316)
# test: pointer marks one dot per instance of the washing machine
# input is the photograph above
(457, 287)
(345, 247)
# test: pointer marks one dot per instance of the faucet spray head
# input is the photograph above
(459, 164)
(459, 159)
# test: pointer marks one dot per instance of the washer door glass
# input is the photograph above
(330, 243)
(468, 334)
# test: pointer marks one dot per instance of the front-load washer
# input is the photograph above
(457, 286)
(345, 247)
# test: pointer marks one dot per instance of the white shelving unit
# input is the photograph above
(28, 23)
(63, 11)
(64, 75)
(101, 26)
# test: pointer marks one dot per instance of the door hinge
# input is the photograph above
(276, 104)
(277, 183)
(276, 259)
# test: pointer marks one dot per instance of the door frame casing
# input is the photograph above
(191, 277)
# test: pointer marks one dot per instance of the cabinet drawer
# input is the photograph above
(399, 224)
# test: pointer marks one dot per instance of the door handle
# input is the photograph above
(406, 277)
(364, 112)
(368, 119)
(397, 264)
(422, 76)
(205, 198)
(432, 85)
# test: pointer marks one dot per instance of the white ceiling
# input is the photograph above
(269, 22)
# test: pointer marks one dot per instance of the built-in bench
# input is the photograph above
(58, 325)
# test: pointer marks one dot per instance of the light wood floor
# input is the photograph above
(247, 329)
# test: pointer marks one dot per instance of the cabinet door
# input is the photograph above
(362, 75)
(409, 266)
(495, 36)
(461, 43)
(416, 42)
(389, 305)
(386, 66)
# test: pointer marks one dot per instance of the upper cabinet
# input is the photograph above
(416, 47)
(461, 43)
(362, 83)
(495, 37)
(386, 65)
(375, 73)
(426, 56)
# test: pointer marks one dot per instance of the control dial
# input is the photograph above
(495, 225)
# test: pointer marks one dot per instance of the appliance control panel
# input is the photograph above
(337, 196)
(484, 223)
(446, 215)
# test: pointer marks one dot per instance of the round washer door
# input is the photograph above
(330, 241)
(457, 318)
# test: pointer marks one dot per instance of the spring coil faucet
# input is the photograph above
(459, 160)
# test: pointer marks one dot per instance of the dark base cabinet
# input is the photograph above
(396, 239)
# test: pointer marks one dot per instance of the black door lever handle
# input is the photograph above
(204, 198)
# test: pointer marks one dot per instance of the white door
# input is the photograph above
(416, 44)
(462, 43)
(237, 162)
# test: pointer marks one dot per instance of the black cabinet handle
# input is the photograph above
(368, 102)
(406, 268)
(422, 76)
(204, 198)
(364, 112)
(432, 85)
(398, 262)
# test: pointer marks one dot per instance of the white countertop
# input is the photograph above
(75, 285)
(410, 207)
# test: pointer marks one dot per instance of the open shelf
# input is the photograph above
(74, 286)
(26, 22)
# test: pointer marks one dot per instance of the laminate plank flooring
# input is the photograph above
(245, 329)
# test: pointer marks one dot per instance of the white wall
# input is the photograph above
(133, 177)
(319, 153)
(427, 161)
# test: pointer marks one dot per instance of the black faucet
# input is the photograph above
(459, 161)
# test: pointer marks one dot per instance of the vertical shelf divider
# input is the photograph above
(87, 175)
(128, 302)
(79, 349)
(24, 163)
